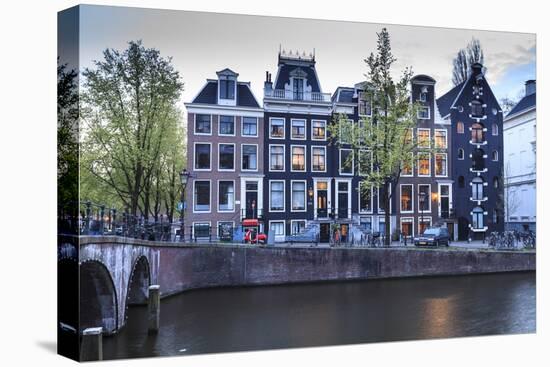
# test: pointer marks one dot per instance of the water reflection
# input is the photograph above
(223, 320)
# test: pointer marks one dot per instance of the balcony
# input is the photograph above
(289, 95)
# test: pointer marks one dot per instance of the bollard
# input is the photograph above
(91, 348)
(154, 308)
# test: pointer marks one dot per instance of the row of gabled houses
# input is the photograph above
(274, 162)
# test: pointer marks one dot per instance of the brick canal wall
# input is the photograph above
(212, 266)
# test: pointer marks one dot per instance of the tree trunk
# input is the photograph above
(387, 229)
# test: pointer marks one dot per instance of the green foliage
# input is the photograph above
(382, 143)
(132, 143)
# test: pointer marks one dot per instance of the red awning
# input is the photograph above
(250, 223)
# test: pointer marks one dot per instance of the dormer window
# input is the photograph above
(227, 89)
(364, 105)
(423, 94)
(298, 88)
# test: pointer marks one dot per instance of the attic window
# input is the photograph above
(227, 89)
(424, 94)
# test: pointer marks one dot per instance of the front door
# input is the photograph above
(343, 200)
(451, 229)
(324, 232)
(322, 200)
(251, 197)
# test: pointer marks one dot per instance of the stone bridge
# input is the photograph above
(115, 272)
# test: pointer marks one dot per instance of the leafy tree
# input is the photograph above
(131, 127)
(382, 143)
(67, 147)
(465, 58)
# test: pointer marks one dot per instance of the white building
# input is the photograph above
(520, 162)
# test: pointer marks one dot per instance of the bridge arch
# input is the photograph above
(98, 297)
(139, 282)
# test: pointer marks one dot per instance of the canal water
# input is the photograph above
(253, 318)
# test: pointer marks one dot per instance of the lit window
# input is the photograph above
(277, 158)
(277, 128)
(408, 166)
(298, 158)
(298, 130)
(441, 139)
(318, 159)
(406, 198)
(424, 164)
(319, 130)
(423, 136)
(460, 127)
(477, 133)
(440, 164)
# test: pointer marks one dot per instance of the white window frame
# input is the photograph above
(359, 199)
(223, 221)
(292, 182)
(493, 126)
(429, 164)
(199, 222)
(424, 108)
(340, 162)
(446, 165)
(407, 220)
(439, 196)
(195, 157)
(210, 197)
(195, 124)
(284, 157)
(305, 129)
(461, 131)
(361, 96)
(284, 128)
(326, 163)
(257, 127)
(257, 157)
(227, 101)
(412, 167)
(412, 199)
(458, 154)
(418, 137)
(494, 154)
(220, 125)
(313, 136)
(218, 197)
(234, 158)
(292, 146)
(278, 238)
(359, 171)
(429, 198)
(424, 219)
(446, 138)
(284, 196)
(297, 220)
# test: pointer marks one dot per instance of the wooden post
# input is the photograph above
(92, 344)
(154, 308)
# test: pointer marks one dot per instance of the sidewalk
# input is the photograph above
(456, 244)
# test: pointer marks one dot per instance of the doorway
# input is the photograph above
(324, 232)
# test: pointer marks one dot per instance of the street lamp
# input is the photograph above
(184, 177)
(421, 200)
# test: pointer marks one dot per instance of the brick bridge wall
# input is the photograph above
(177, 268)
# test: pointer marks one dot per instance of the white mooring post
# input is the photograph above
(92, 344)
(154, 308)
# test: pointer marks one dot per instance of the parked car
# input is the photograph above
(433, 236)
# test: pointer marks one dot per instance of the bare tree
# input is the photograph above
(465, 58)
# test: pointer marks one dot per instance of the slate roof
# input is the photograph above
(343, 95)
(283, 76)
(209, 95)
(445, 102)
(524, 104)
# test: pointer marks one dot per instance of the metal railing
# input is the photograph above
(297, 96)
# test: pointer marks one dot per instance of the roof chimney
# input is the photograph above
(530, 87)
(477, 69)
(268, 85)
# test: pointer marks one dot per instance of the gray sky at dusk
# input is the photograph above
(202, 43)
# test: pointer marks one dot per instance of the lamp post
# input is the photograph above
(421, 200)
(184, 177)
